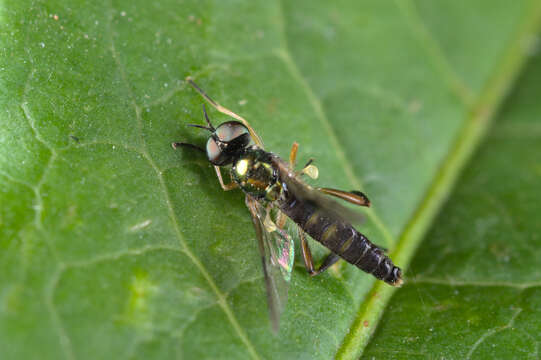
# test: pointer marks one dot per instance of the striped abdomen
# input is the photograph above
(341, 238)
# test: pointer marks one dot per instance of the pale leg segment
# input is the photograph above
(225, 187)
(226, 111)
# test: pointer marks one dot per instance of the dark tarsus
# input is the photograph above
(341, 238)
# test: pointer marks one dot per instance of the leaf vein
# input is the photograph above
(476, 283)
(434, 51)
(222, 301)
(118, 255)
(493, 331)
(473, 130)
(284, 55)
(65, 342)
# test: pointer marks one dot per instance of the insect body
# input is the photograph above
(274, 192)
(341, 238)
(255, 174)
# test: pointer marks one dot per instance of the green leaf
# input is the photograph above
(475, 291)
(115, 246)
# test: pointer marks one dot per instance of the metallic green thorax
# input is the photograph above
(255, 174)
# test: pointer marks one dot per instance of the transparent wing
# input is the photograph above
(277, 256)
(305, 192)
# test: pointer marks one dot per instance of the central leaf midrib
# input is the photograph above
(458, 154)
(475, 125)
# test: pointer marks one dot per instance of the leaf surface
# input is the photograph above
(116, 246)
(475, 287)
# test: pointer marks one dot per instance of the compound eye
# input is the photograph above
(213, 151)
(230, 130)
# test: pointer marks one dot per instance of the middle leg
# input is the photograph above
(308, 169)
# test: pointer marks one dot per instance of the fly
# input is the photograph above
(274, 192)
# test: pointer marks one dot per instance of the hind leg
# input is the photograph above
(330, 260)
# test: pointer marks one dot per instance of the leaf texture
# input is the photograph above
(115, 246)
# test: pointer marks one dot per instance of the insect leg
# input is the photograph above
(293, 154)
(308, 169)
(306, 253)
(225, 187)
(226, 111)
(281, 220)
(331, 259)
(354, 197)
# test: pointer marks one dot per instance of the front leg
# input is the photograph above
(225, 187)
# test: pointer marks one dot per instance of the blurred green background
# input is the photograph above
(112, 245)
